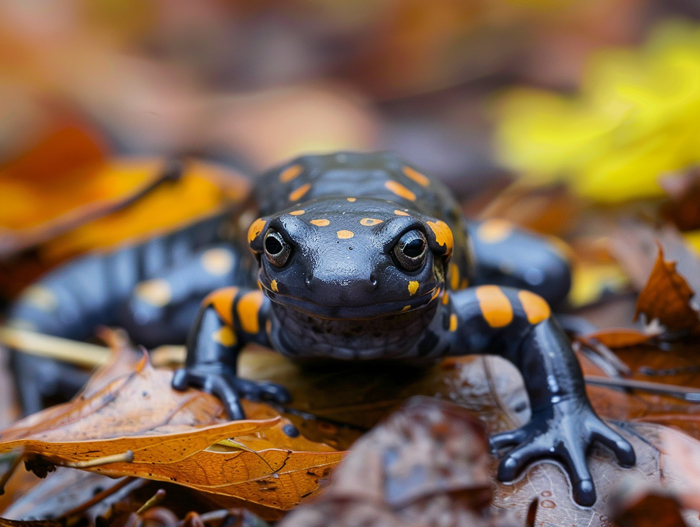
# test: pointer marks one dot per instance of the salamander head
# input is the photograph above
(351, 258)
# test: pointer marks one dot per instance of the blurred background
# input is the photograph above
(600, 96)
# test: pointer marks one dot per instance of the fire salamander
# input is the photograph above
(360, 257)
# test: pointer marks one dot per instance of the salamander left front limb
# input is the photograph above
(228, 319)
(518, 326)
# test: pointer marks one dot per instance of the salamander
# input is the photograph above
(355, 257)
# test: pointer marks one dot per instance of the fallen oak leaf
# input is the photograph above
(275, 478)
(667, 296)
(172, 437)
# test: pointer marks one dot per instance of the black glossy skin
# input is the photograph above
(342, 294)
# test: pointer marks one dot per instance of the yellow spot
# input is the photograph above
(224, 336)
(416, 176)
(222, 301)
(454, 276)
(345, 235)
(40, 297)
(445, 298)
(400, 190)
(443, 235)
(290, 173)
(494, 231)
(248, 308)
(156, 292)
(298, 193)
(351, 200)
(401, 213)
(405, 308)
(368, 222)
(217, 261)
(273, 286)
(535, 307)
(320, 223)
(297, 212)
(495, 306)
(453, 322)
(464, 283)
(255, 229)
(412, 287)
(268, 326)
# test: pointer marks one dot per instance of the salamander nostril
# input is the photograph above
(309, 278)
(373, 280)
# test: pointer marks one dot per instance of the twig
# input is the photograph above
(680, 392)
(158, 497)
(97, 498)
(79, 353)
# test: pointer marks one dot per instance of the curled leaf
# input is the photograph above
(666, 297)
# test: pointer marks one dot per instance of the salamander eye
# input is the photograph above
(277, 250)
(410, 250)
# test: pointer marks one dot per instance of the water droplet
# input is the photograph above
(548, 504)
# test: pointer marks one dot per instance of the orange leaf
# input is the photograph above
(174, 436)
(666, 297)
(615, 338)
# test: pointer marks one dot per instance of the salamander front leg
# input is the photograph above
(228, 319)
(518, 326)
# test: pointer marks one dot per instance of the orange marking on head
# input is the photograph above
(320, 223)
(248, 309)
(273, 286)
(464, 283)
(255, 229)
(345, 235)
(412, 287)
(453, 322)
(351, 200)
(494, 231)
(368, 222)
(405, 308)
(536, 308)
(400, 190)
(443, 235)
(297, 212)
(416, 176)
(222, 301)
(445, 298)
(290, 173)
(435, 293)
(495, 306)
(225, 336)
(299, 193)
(401, 213)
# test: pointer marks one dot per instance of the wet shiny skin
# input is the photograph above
(356, 257)
(339, 283)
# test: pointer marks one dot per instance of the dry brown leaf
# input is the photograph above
(173, 437)
(666, 297)
(426, 464)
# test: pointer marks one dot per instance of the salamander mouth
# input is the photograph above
(376, 310)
